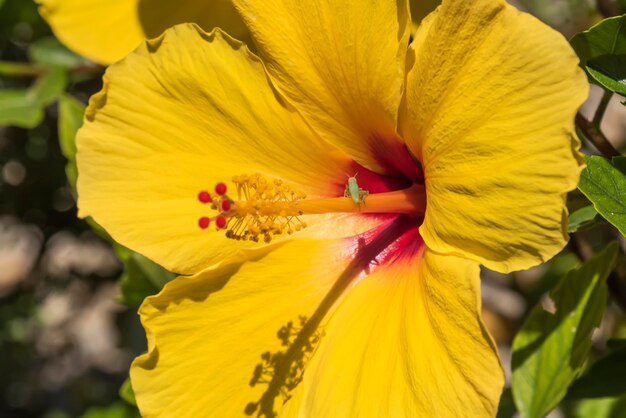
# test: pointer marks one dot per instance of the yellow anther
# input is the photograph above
(263, 208)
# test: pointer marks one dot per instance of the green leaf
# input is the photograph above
(142, 277)
(605, 186)
(619, 163)
(117, 410)
(602, 53)
(602, 408)
(50, 52)
(582, 219)
(49, 87)
(605, 378)
(610, 72)
(550, 348)
(127, 393)
(25, 108)
(17, 108)
(71, 113)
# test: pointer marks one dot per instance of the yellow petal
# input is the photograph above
(407, 341)
(105, 31)
(175, 117)
(491, 98)
(207, 333)
(342, 64)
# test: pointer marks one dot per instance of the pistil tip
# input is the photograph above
(204, 197)
(220, 222)
(220, 189)
(204, 222)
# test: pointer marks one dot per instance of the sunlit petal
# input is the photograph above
(408, 341)
(491, 97)
(175, 117)
(342, 64)
(207, 333)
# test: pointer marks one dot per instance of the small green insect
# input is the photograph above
(355, 192)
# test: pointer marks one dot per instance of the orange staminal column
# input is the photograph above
(265, 208)
(411, 200)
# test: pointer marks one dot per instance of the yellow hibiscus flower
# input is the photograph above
(196, 150)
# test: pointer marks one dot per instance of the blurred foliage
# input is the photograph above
(42, 90)
(602, 408)
(117, 410)
(551, 348)
(126, 392)
(141, 277)
(25, 107)
(568, 16)
(71, 113)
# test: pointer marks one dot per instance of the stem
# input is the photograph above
(86, 69)
(602, 106)
(18, 69)
(21, 69)
(591, 129)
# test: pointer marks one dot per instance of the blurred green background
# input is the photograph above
(65, 341)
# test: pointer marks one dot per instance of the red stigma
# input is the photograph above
(225, 205)
(204, 222)
(220, 222)
(204, 197)
(220, 189)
